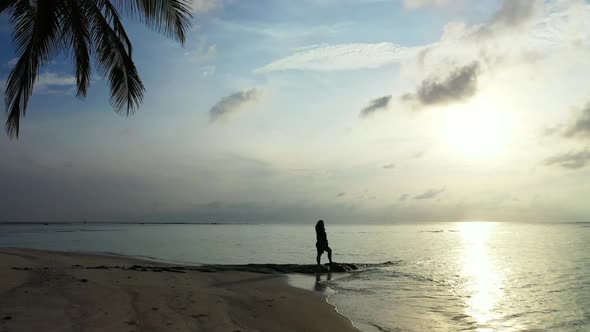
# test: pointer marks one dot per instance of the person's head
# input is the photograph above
(320, 224)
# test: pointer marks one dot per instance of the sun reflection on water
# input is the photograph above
(484, 280)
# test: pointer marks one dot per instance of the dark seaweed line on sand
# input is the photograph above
(256, 268)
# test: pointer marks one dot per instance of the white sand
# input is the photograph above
(56, 296)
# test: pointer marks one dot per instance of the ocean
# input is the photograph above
(467, 276)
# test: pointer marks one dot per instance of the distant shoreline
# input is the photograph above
(116, 223)
(49, 223)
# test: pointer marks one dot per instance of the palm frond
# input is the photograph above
(86, 29)
(76, 35)
(170, 17)
(36, 38)
(112, 16)
(114, 61)
(5, 4)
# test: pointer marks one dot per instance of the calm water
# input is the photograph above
(439, 277)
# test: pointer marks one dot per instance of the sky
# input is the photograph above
(351, 111)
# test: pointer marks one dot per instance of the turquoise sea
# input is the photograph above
(468, 276)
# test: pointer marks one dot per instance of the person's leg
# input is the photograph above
(319, 256)
(329, 254)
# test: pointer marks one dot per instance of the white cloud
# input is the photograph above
(50, 82)
(203, 52)
(519, 32)
(47, 79)
(342, 57)
(55, 83)
(413, 4)
(539, 31)
(208, 71)
(201, 6)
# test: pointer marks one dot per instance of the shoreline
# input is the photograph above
(61, 291)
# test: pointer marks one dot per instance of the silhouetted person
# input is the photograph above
(322, 241)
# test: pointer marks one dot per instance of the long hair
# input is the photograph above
(319, 226)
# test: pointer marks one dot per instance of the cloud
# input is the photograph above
(514, 13)
(342, 194)
(207, 71)
(459, 85)
(12, 62)
(519, 33)
(550, 131)
(430, 194)
(578, 128)
(50, 83)
(55, 79)
(571, 160)
(378, 104)
(413, 4)
(518, 30)
(581, 127)
(55, 83)
(404, 197)
(203, 52)
(233, 103)
(341, 57)
(202, 6)
(389, 166)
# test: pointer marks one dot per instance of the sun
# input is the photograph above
(477, 133)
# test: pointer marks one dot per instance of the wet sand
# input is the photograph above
(55, 291)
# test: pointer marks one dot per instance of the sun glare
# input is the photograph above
(484, 286)
(476, 230)
(477, 134)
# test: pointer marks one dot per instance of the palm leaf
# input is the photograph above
(171, 17)
(85, 29)
(77, 38)
(36, 39)
(114, 61)
(111, 15)
(4, 4)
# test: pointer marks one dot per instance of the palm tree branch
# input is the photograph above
(170, 17)
(4, 4)
(36, 38)
(112, 16)
(77, 37)
(114, 60)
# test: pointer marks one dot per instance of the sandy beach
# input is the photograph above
(56, 291)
